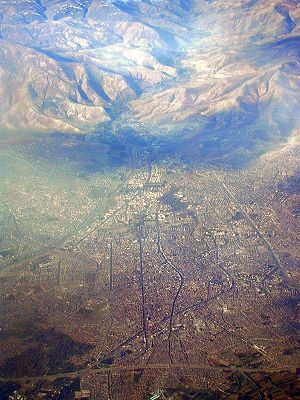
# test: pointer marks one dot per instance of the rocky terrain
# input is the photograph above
(149, 199)
(65, 65)
(194, 68)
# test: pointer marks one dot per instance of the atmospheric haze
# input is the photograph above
(149, 199)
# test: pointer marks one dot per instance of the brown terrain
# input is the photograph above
(149, 200)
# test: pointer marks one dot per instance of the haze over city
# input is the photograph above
(149, 199)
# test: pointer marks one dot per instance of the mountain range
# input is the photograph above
(193, 69)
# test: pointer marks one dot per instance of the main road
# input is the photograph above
(265, 241)
(139, 367)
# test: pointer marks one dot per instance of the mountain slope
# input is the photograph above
(178, 67)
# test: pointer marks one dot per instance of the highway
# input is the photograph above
(181, 283)
(265, 241)
(87, 221)
(141, 367)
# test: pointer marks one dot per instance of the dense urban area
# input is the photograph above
(149, 269)
(149, 199)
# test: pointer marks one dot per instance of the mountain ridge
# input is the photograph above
(164, 68)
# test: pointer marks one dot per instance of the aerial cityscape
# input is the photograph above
(149, 199)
